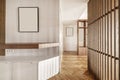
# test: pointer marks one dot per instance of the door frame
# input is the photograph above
(84, 27)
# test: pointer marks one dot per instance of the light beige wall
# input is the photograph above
(48, 21)
(73, 9)
(48, 24)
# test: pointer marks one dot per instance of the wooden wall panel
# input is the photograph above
(2, 25)
(103, 39)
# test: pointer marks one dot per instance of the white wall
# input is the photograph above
(84, 15)
(48, 21)
(73, 9)
(48, 25)
(70, 43)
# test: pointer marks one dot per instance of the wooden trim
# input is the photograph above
(21, 46)
(116, 58)
(2, 25)
(28, 45)
(82, 20)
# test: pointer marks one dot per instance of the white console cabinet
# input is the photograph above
(25, 69)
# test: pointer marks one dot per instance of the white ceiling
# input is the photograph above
(73, 10)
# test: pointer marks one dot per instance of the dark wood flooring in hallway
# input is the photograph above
(73, 68)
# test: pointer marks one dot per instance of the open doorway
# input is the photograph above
(74, 61)
(74, 66)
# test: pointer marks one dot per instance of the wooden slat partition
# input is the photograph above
(103, 39)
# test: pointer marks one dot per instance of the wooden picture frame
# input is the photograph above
(28, 19)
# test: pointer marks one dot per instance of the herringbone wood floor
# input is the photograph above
(73, 68)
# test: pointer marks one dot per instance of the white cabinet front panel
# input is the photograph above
(25, 71)
(5, 71)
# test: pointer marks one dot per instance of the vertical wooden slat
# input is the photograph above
(115, 41)
(119, 37)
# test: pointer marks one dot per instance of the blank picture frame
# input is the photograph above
(69, 31)
(28, 19)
